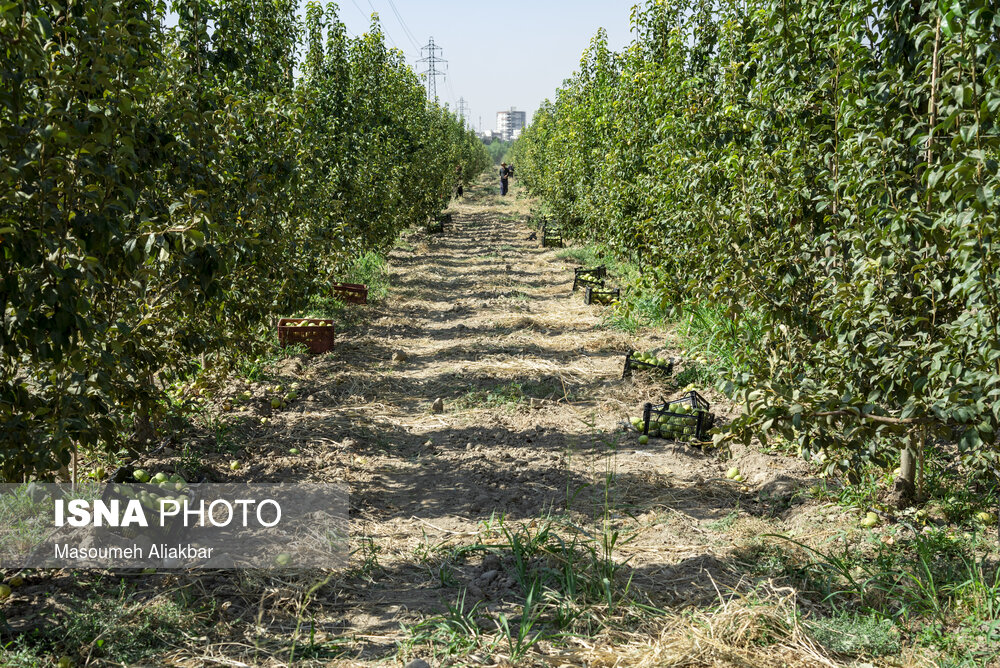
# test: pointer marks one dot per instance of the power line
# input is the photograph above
(387, 35)
(358, 7)
(432, 72)
(406, 28)
(463, 109)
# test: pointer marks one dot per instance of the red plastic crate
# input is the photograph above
(318, 335)
(351, 293)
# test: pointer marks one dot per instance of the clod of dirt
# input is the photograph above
(438, 405)
(289, 366)
(400, 356)
(418, 663)
(536, 402)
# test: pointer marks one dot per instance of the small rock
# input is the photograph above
(536, 403)
(486, 578)
(400, 356)
(418, 663)
(438, 405)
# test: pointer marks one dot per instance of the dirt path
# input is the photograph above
(530, 438)
(533, 400)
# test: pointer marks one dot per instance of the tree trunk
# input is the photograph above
(904, 491)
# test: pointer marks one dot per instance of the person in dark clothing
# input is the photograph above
(510, 170)
(459, 178)
(504, 176)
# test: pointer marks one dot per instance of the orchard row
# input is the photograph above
(823, 175)
(172, 179)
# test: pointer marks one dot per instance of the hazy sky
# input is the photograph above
(500, 54)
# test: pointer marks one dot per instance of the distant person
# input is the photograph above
(458, 177)
(504, 176)
(510, 169)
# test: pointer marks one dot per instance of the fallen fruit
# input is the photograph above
(16, 581)
(986, 518)
(276, 403)
(291, 396)
(738, 478)
(4, 592)
(732, 473)
(283, 559)
(870, 520)
(293, 451)
(644, 439)
(65, 662)
(140, 475)
(234, 465)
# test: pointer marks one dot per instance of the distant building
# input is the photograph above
(510, 123)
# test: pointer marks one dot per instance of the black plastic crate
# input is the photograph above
(605, 297)
(437, 224)
(634, 360)
(124, 479)
(686, 419)
(592, 277)
(551, 238)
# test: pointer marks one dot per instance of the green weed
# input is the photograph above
(856, 635)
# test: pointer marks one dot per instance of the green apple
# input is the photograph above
(986, 518)
(644, 439)
(234, 465)
(140, 475)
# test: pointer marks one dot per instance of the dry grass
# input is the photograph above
(741, 632)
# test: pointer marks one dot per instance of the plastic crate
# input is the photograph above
(114, 491)
(551, 237)
(632, 363)
(436, 224)
(605, 297)
(317, 334)
(592, 277)
(685, 419)
(350, 293)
